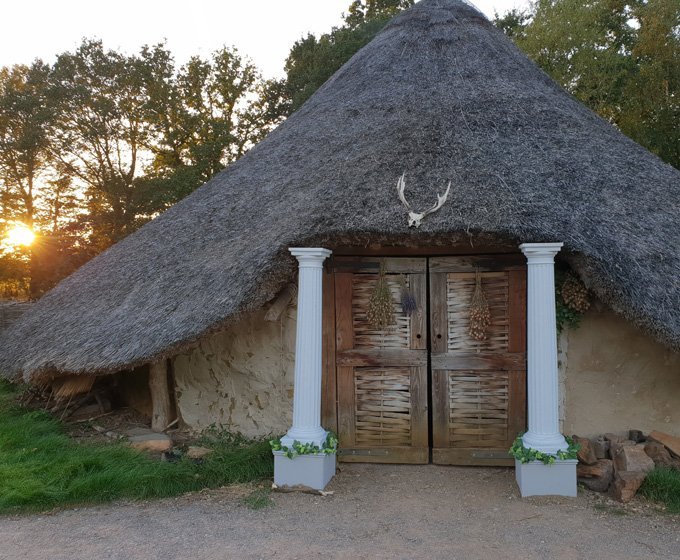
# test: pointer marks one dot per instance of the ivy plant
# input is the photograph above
(527, 455)
(330, 445)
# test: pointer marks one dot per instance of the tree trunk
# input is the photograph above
(160, 396)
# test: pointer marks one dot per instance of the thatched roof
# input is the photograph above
(439, 93)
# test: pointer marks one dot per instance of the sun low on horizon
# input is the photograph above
(19, 235)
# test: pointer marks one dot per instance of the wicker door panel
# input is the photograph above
(478, 387)
(381, 373)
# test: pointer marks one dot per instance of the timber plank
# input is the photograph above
(329, 384)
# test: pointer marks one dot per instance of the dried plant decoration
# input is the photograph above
(380, 312)
(408, 300)
(480, 314)
(575, 294)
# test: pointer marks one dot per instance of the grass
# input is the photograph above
(259, 499)
(663, 485)
(41, 468)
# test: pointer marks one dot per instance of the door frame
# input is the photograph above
(329, 393)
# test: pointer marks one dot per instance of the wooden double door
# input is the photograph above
(423, 389)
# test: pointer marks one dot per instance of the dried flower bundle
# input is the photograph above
(380, 312)
(480, 314)
(575, 295)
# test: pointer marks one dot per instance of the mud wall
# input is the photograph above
(241, 378)
(615, 378)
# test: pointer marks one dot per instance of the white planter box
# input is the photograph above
(312, 471)
(537, 479)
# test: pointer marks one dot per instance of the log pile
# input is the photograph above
(619, 465)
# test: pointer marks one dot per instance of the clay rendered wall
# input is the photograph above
(240, 379)
(615, 378)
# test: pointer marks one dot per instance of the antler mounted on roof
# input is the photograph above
(416, 218)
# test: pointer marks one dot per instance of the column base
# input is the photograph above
(317, 437)
(311, 471)
(549, 444)
(539, 479)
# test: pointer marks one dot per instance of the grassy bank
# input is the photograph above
(41, 468)
(663, 485)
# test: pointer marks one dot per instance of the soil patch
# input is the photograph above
(375, 511)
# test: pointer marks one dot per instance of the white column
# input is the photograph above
(542, 378)
(308, 349)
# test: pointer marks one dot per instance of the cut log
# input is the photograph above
(626, 484)
(613, 438)
(154, 442)
(586, 454)
(672, 443)
(636, 435)
(658, 453)
(631, 458)
(160, 396)
(601, 448)
(596, 477)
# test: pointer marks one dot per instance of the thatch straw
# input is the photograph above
(440, 94)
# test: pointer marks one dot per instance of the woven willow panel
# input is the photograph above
(459, 290)
(365, 336)
(382, 406)
(478, 408)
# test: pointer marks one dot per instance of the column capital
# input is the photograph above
(310, 257)
(540, 253)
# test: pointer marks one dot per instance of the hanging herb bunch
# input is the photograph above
(408, 300)
(575, 294)
(380, 312)
(480, 314)
(572, 300)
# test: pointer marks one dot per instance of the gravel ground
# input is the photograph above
(375, 511)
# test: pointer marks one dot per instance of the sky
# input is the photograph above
(264, 30)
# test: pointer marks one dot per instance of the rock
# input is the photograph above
(672, 443)
(658, 453)
(197, 452)
(631, 458)
(596, 477)
(585, 454)
(613, 438)
(637, 436)
(601, 448)
(626, 484)
(149, 441)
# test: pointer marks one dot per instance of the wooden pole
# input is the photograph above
(160, 396)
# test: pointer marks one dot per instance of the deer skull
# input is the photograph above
(416, 218)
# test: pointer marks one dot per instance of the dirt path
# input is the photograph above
(375, 512)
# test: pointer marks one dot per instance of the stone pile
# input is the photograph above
(619, 465)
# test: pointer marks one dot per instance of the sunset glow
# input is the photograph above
(20, 234)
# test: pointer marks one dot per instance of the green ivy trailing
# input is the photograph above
(330, 445)
(527, 455)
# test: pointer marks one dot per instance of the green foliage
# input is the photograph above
(619, 57)
(259, 499)
(313, 60)
(100, 142)
(527, 455)
(566, 316)
(663, 485)
(41, 468)
(330, 445)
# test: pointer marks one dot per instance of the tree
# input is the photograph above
(203, 117)
(26, 119)
(313, 60)
(101, 133)
(651, 97)
(620, 58)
